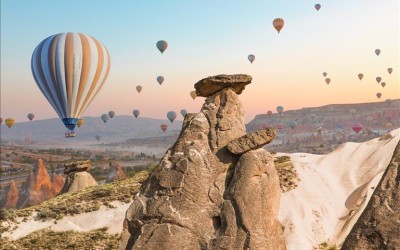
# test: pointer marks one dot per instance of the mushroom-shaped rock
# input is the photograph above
(211, 85)
(77, 166)
(251, 141)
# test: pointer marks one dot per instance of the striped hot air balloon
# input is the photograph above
(70, 69)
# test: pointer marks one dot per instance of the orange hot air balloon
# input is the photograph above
(9, 122)
(278, 24)
(360, 76)
(164, 127)
(80, 122)
(193, 94)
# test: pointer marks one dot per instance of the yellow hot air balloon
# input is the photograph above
(9, 122)
(278, 24)
(193, 94)
(80, 122)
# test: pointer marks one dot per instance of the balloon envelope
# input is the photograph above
(136, 113)
(356, 127)
(324, 74)
(193, 94)
(317, 6)
(160, 79)
(269, 113)
(105, 117)
(30, 116)
(328, 80)
(9, 122)
(251, 58)
(80, 122)
(171, 115)
(279, 109)
(378, 79)
(162, 45)
(139, 88)
(292, 124)
(164, 127)
(98, 137)
(377, 52)
(70, 69)
(278, 24)
(111, 114)
(383, 84)
(378, 95)
(183, 112)
(360, 76)
(390, 70)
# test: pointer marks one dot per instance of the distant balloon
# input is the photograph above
(111, 114)
(356, 127)
(292, 124)
(251, 58)
(378, 95)
(98, 137)
(378, 79)
(360, 76)
(269, 113)
(279, 109)
(279, 126)
(377, 52)
(136, 113)
(80, 122)
(317, 6)
(388, 125)
(1, 120)
(324, 74)
(390, 70)
(171, 115)
(193, 94)
(160, 79)
(383, 84)
(278, 24)
(164, 127)
(162, 46)
(9, 122)
(31, 116)
(139, 88)
(328, 80)
(105, 117)
(183, 112)
(388, 102)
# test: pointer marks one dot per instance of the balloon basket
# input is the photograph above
(70, 134)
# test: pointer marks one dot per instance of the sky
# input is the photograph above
(207, 38)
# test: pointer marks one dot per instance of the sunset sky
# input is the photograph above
(207, 38)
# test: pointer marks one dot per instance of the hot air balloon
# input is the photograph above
(269, 113)
(9, 122)
(139, 88)
(378, 79)
(136, 113)
(162, 45)
(383, 84)
(193, 94)
(279, 109)
(356, 127)
(378, 95)
(160, 79)
(171, 115)
(390, 70)
(388, 125)
(111, 114)
(292, 124)
(388, 102)
(164, 127)
(183, 112)
(317, 6)
(324, 74)
(1, 120)
(377, 52)
(105, 117)
(328, 80)
(70, 69)
(251, 58)
(279, 126)
(360, 76)
(30, 116)
(278, 24)
(98, 137)
(80, 122)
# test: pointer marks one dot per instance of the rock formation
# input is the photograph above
(116, 173)
(379, 225)
(202, 196)
(57, 183)
(11, 197)
(78, 177)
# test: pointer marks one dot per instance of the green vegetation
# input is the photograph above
(47, 239)
(288, 177)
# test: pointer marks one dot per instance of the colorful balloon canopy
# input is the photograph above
(324, 74)
(328, 80)
(98, 137)
(378, 95)
(390, 70)
(164, 127)
(360, 76)
(111, 114)
(279, 109)
(136, 113)
(139, 88)
(30, 116)
(162, 45)
(193, 94)
(251, 58)
(317, 6)
(104, 118)
(80, 122)
(171, 115)
(160, 79)
(357, 127)
(378, 79)
(70, 69)
(183, 112)
(278, 24)
(9, 122)
(377, 52)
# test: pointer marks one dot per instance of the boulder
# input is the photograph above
(251, 141)
(211, 85)
(77, 166)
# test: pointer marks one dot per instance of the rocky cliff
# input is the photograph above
(204, 194)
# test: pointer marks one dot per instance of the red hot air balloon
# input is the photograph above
(356, 127)
(269, 113)
(164, 127)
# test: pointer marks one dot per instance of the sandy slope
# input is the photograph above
(333, 191)
(104, 217)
